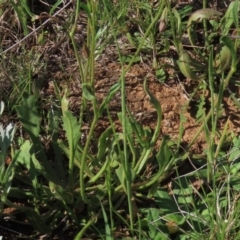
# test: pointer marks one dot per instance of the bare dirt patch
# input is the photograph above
(173, 98)
(57, 62)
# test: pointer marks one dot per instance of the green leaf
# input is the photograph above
(235, 14)
(178, 21)
(132, 129)
(164, 156)
(88, 92)
(201, 107)
(121, 176)
(28, 160)
(145, 154)
(103, 143)
(107, 227)
(184, 63)
(165, 162)
(183, 191)
(61, 193)
(185, 10)
(235, 182)
(229, 18)
(72, 128)
(6, 137)
(29, 116)
(54, 117)
(161, 75)
(169, 211)
(199, 15)
(229, 43)
(7, 176)
(55, 6)
(157, 106)
(234, 169)
(153, 218)
(205, 13)
(24, 154)
(223, 59)
(128, 58)
(64, 102)
(110, 95)
(165, 202)
(86, 9)
(2, 106)
(210, 73)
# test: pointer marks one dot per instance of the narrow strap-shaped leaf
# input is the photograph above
(199, 15)
(184, 65)
(157, 106)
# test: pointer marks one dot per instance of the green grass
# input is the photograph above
(101, 187)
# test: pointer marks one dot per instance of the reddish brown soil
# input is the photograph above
(172, 94)
(173, 99)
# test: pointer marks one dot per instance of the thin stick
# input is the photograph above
(38, 28)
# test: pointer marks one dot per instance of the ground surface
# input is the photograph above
(173, 94)
(57, 62)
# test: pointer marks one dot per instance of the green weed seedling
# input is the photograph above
(72, 175)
